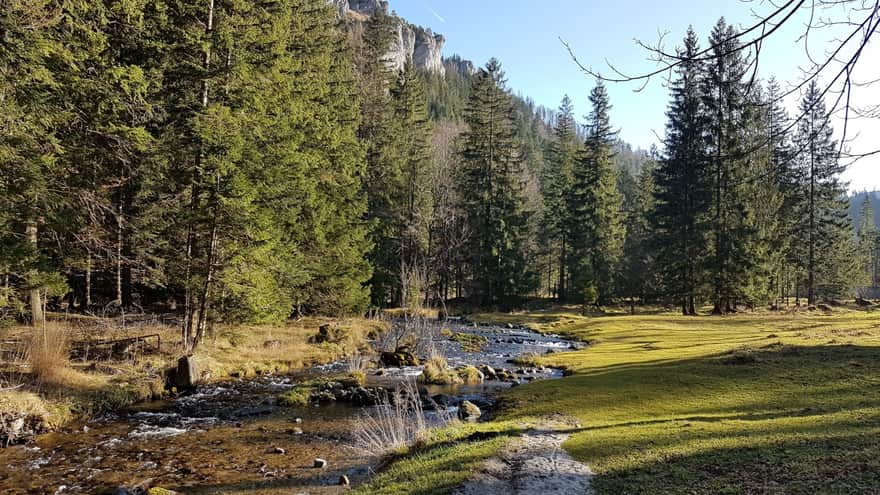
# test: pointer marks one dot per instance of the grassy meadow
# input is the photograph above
(769, 403)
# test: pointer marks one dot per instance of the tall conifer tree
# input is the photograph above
(732, 233)
(825, 231)
(490, 185)
(681, 190)
(595, 209)
(562, 154)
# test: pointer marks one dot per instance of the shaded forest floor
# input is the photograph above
(750, 403)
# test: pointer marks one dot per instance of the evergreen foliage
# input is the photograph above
(562, 154)
(491, 190)
(595, 220)
(681, 190)
(251, 161)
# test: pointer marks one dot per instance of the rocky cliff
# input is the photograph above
(411, 42)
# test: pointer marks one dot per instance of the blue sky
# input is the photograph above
(524, 35)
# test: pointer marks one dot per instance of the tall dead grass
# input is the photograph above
(48, 354)
(396, 424)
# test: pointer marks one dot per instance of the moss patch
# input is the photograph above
(470, 342)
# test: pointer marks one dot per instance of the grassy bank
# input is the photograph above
(49, 390)
(753, 403)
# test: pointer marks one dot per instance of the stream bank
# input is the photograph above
(234, 437)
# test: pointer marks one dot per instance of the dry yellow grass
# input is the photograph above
(56, 389)
(48, 353)
(244, 350)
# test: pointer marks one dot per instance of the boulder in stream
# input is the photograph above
(186, 375)
(402, 356)
(488, 372)
(468, 411)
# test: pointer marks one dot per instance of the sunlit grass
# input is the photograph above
(667, 404)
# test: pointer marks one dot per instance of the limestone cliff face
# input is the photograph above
(428, 51)
(411, 42)
(368, 7)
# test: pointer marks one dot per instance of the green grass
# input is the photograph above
(744, 404)
(763, 403)
(470, 342)
(443, 463)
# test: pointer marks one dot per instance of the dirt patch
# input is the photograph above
(533, 464)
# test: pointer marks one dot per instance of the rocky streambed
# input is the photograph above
(235, 436)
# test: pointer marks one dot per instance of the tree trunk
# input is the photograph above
(562, 290)
(811, 267)
(88, 294)
(194, 320)
(119, 240)
(38, 317)
(4, 294)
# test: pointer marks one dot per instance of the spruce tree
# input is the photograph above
(824, 228)
(44, 51)
(328, 227)
(784, 175)
(412, 135)
(384, 160)
(731, 228)
(763, 193)
(868, 243)
(637, 276)
(562, 154)
(595, 209)
(491, 190)
(681, 189)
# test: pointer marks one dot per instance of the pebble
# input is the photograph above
(344, 481)
(320, 463)
(279, 450)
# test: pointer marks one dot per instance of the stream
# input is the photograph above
(230, 437)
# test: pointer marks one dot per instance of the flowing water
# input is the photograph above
(232, 438)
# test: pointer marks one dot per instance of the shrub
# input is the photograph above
(359, 377)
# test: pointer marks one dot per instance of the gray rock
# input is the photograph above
(369, 7)
(488, 372)
(186, 375)
(445, 400)
(468, 411)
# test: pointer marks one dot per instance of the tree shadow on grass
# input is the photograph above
(788, 420)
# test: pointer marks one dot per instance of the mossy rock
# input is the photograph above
(470, 342)
(400, 357)
(470, 375)
(298, 397)
(161, 491)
